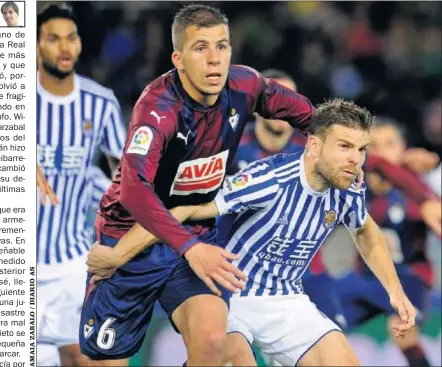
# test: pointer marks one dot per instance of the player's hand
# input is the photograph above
(432, 216)
(105, 274)
(211, 263)
(45, 188)
(421, 160)
(102, 261)
(406, 312)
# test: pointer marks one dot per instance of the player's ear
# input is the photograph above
(177, 60)
(314, 145)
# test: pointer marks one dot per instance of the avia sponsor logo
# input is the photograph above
(200, 176)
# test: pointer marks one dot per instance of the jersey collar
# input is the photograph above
(60, 99)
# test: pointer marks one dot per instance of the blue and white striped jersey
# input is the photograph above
(101, 183)
(280, 221)
(70, 130)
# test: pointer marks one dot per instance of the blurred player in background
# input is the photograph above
(266, 137)
(361, 294)
(75, 117)
(314, 190)
(184, 132)
(10, 12)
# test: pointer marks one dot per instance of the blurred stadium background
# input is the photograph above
(383, 55)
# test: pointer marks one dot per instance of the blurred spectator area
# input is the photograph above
(383, 55)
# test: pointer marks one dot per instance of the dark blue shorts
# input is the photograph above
(320, 289)
(363, 296)
(117, 311)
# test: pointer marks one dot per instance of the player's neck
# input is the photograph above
(56, 86)
(269, 141)
(314, 180)
(197, 96)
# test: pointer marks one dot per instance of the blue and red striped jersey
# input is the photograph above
(177, 151)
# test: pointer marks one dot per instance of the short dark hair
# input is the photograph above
(382, 121)
(10, 4)
(195, 14)
(54, 11)
(339, 112)
(276, 74)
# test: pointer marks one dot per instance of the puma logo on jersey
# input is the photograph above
(154, 114)
(180, 135)
(200, 176)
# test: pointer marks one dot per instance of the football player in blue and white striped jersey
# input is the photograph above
(285, 206)
(76, 117)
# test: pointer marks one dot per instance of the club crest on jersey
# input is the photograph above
(141, 141)
(88, 328)
(329, 219)
(87, 128)
(233, 120)
(200, 176)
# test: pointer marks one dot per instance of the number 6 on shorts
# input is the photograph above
(106, 335)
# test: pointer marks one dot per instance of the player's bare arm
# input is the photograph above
(103, 260)
(431, 211)
(45, 188)
(421, 160)
(371, 245)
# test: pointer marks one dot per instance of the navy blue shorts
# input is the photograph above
(117, 311)
(320, 289)
(363, 296)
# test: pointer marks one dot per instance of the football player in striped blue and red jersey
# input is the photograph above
(361, 294)
(183, 134)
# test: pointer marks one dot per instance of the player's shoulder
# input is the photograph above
(277, 164)
(161, 96)
(159, 104)
(89, 85)
(284, 161)
(244, 78)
